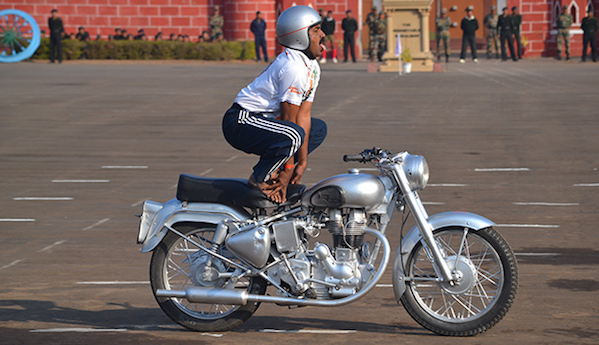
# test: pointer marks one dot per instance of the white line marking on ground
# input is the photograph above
(80, 181)
(545, 204)
(52, 246)
(384, 285)
(526, 226)
(124, 167)
(310, 331)
(432, 203)
(586, 185)
(17, 220)
(42, 198)
(139, 202)
(230, 159)
(446, 185)
(502, 169)
(97, 223)
(206, 172)
(77, 330)
(11, 264)
(538, 254)
(115, 282)
(212, 335)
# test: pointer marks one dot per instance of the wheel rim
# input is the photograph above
(481, 278)
(183, 260)
(19, 36)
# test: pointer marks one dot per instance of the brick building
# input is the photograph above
(190, 17)
(187, 17)
(538, 21)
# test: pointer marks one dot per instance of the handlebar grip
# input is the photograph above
(353, 158)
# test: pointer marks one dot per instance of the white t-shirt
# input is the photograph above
(292, 77)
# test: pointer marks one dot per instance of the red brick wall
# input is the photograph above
(186, 17)
(538, 21)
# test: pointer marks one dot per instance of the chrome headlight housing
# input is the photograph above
(416, 169)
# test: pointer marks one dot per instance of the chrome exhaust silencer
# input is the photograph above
(204, 295)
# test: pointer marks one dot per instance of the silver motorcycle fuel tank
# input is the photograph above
(351, 190)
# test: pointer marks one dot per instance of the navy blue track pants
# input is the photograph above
(275, 141)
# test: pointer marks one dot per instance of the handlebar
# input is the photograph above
(353, 158)
(367, 155)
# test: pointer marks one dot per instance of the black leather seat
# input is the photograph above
(233, 192)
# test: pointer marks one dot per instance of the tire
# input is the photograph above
(171, 268)
(483, 296)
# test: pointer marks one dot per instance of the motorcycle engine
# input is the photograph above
(322, 273)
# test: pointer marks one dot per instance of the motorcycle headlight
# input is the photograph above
(416, 170)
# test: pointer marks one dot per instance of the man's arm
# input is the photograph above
(302, 116)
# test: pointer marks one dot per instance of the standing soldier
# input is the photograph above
(490, 22)
(56, 30)
(381, 35)
(443, 25)
(505, 27)
(371, 20)
(589, 26)
(517, 21)
(258, 28)
(216, 22)
(328, 27)
(564, 22)
(349, 26)
(469, 26)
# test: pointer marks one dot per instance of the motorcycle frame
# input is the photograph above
(175, 211)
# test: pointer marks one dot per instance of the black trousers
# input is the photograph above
(349, 41)
(592, 40)
(518, 44)
(468, 41)
(55, 44)
(260, 42)
(275, 141)
(509, 37)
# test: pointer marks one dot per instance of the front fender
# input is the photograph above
(174, 211)
(437, 221)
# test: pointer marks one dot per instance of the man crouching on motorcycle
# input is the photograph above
(271, 117)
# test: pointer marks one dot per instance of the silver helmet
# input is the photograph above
(293, 25)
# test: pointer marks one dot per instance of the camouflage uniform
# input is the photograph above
(490, 23)
(371, 20)
(380, 38)
(443, 25)
(216, 22)
(564, 21)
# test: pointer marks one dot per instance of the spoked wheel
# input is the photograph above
(487, 283)
(19, 36)
(178, 264)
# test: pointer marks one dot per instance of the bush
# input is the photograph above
(146, 50)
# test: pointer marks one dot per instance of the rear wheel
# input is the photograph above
(488, 279)
(178, 264)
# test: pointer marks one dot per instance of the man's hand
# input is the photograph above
(298, 172)
(277, 191)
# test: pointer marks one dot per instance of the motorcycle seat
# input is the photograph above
(229, 191)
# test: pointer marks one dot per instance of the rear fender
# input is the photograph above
(438, 221)
(175, 211)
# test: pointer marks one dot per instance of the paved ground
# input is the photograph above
(516, 142)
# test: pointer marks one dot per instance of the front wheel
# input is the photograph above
(178, 264)
(487, 282)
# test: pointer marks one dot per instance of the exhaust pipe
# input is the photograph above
(204, 295)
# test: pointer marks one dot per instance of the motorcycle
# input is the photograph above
(220, 243)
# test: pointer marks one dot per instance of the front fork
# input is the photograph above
(426, 230)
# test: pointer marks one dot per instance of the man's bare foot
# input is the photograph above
(275, 189)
